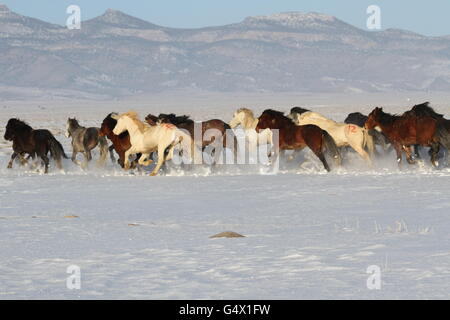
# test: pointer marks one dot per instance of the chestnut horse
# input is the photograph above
(294, 137)
(405, 131)
(120, 143)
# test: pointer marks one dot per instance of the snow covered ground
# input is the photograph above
(308, 233)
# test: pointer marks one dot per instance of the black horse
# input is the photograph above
(39, 142)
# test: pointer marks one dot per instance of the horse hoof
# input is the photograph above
(153, 174)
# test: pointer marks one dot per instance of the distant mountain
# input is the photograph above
(117, 55)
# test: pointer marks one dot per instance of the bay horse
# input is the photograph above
(343, 134)
(424, 110)
(120, 143)
(146, 139)
(294, 137)
(379, 138)
(214, 132)
(38, 142)
(84, 140)
(405, 131)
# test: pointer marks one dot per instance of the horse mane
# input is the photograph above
(247, 112)
(424, 109)
(135, 118)
(18, 124)
(299, 110)
(274, 113)
(174, 119)
(386, 118)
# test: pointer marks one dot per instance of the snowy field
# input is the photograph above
(308, 234)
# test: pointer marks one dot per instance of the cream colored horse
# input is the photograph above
(246, 119)
(146, 139)
(343, 134)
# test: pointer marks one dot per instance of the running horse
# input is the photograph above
(424, 110)
(293, 137)
(214, 132)
(120, 143)
(84, 140)
(343, 134)
(146, 139)
(407, 130)
(27, 140)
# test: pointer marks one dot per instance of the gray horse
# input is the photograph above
(84, 140)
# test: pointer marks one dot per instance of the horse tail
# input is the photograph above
(368, 141)
(56, 150)
(443, 134)
(332, 147)
(104, 149)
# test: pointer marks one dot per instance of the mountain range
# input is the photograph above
(116, 55)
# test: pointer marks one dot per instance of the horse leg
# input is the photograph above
(398, 150)
(111, 153)
(74, 158)
(161, 157)
(434, 153)
(13, 157)
(46, 162)
(409, 154)
(142, 159)
(126, 164)
(416, 152)
(360, 150)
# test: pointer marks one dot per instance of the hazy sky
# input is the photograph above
(426, 17)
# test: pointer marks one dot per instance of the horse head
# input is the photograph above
(72, 124)
(108, 125)
(373, 119)
(15, 127)
(242, 116)
(154, 120)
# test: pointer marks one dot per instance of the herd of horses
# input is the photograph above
(301, 128)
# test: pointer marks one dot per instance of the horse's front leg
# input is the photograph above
(111, 153)
(13, 157)
(145, 160)
(398, 150)
(126, 163)
(74, 158)
(409, 154)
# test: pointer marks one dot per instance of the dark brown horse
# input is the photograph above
(207, 133)
(424, 110)
(38, 142)
(293, 137)
(405, 131)
(120, 143)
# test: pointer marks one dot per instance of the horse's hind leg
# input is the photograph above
(434, 153)
(360, 150)
(46, 162)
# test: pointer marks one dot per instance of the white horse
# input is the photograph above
(246, 119)
(343, 134)
(146, 139)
